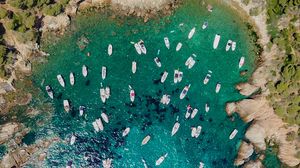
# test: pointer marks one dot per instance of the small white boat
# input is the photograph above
(201, 165)
(218, 87)
(233, 46)
(95, 125)
(157, 61)
(161, 159)
(176, 74)
(131, 94)
(61, 80)
(145, 140)
(191, 33)
(107, 92)
(194, 113)
(138, 48)
(126, 131)
(241, 62)
(188, 111)
(144, 162)
(207, 77)
(100, 124)
(216, 41)
(204, 26)
(81, 110)
(228, 45)
(206, 107)
(180, 75)
(175, 128)
(109, 49)
(84, 71)
(142, 46)
(72, 78)
(190, 62)
(107, 163)
(164, 77)
(104, 117)
(233, 134)
(184, 91)
(103, 95)
(133, 67)
(103, 72)
(196, 131)
(49, 91)
(165, 99)
(66, 105)
(167, 42)
(72, 140)
(178, 47)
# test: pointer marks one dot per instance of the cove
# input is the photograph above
(146, 116)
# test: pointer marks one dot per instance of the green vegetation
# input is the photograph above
(284, 93)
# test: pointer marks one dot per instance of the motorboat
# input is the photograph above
(104, 117)
(133, 67)
(61, 80)
(164, 77)
(132, 94)
(207, 77)
(142, 46)
(216, 41)
(167, 42)
(72, 140)
(145, 140)
(84, 71)
(194, 113)
(190, 62)
(204, 26)
(233, 134)
(66, 105)
(107, 92)
(241, 62)
(99, 124)
(161, 159)
(180, 75)
(191, 33)
(218, 87)
(184, 91)
(144, 162)
(138, 48)
(107, 163)
(157, 61)
(49, 91)
(72, 79)
(178, 47)
(233, 46)
(228, 45)
(188, 111)
(102, 95)
(126, 131)
(176, 75)
(109, 49)
(175, 128)
(96, 128)
(81, 110)
(201, 165)
(196, 131)
(165, 99)
(103, 72)
(206, 107)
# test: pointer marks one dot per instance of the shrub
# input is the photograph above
(3, 13)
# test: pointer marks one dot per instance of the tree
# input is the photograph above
(3, 13)
(3, 51)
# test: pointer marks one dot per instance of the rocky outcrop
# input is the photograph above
(246, 89)
(254, 164)
(8, 130)
(72, 8)
(55, 23)
(141, 4)
(245, 151)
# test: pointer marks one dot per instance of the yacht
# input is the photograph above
(49, 91)
(84, 71)
(178, 47)
(103, 72)
(216, 41)
(175, 128)
(167, 42)
(104, 117)
(157, 61)
(218, 87)
(233, 134)
(126, 131)
(142, 46)
(133, 67)
(196, 131)
(184, 91)
(107, 163)
(241, 62)
(132, 94)
(66, 105)
(204, 26)
(207, 77)
(95, 125)
(191, 33)
(145, 140)
(206, 107)
(176, 75)
(190, 62)
(228, 45)
(72, 79)
(233, 46)
(61, 80)
(138, 48)
(188, 111)
(99, 124)
(72, 140)
(180, 75)
(109, 49)
(161, 159)
(201, 165)
(194, 113)
(144, 162)
(164, 77)
(81, 110)
(165, 99)
(102, 95)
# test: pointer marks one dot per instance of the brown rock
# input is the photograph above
(42, 156)
(246, 89)
(8, 130)
(245, 151)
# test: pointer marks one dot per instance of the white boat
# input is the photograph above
(228, 45)
(144, 162)
(157, 61)
(99, 124)
(66, 105)
(188, 111)
(178, 47)
(161, 159)
(241, 62)
(96, 128)
(167, 42)
(184, 91)
(176, 74)
(126, 131)
(218, 87)
(201, 165)
(207, 77)
(81, 110)
(49, 91)
(103, 95)
(190, 62)
(109, 49)
(72, 140)
(107, 163)
(206, 107)
(145, 140)
(165, 99)
(194, 113)
(138, 48)
(233, 134)
(61, 80)
(204, 26)
(175, 128)
(216, 41)
(142, 46)
(164, 77)
(84, 71)
(131, 94)
(72, 78)
(196, 131)
(191, 33)
(107, 92)
(233, 46)
(180, 75)
(133, 67)
(103, 72)
(104, 117)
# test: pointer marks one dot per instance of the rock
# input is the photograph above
(23, 65)
(24, 100)
(243, 73)
(72, 7)
(245, 151)
(254, 164)
(256, 135)
(8, 130)
(6, 87)
(42, 156)
(142, 4)
(7, 161)
(230, 108)
(55, 23)
(2, 103)
(246, 89)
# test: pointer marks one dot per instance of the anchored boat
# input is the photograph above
(84, 71)
(233, 134)
(104, 117)
(145, 140)
(109, 49)
(184, 91)
(241, 62)
(218, 87)
(204, 26)
(61, 80)
(126, 131)
(49, 91)
(72, 78)
(178, 47)
(191, 33)
(66, 105)
(157, 61)
(164, 77)
(133, 67)
(228, 45)
(131, 94)
(103, 72)
(216, 41)
(161, 159)
(175, 128)
(167, 42)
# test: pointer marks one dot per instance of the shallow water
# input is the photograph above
(146, 116)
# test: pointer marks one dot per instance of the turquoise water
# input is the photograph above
(146, 116)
